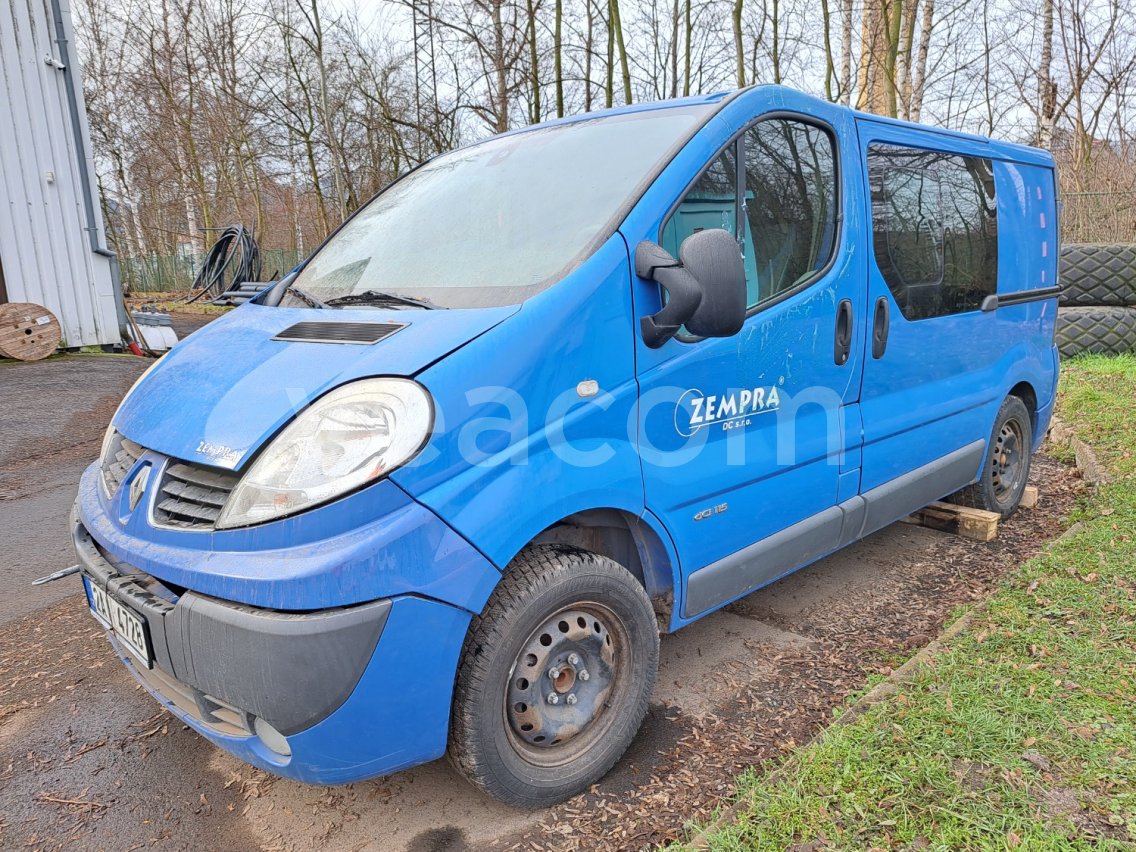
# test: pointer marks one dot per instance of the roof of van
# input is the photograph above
(998, 148)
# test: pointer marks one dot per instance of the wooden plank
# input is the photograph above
(1030, 497)
(975, 524)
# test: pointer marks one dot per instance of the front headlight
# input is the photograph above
(353, 435)
(111, 442)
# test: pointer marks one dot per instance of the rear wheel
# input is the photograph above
(999, 488)
(555, 677)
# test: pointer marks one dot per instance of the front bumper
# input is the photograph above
(340, 628)
(355, 691)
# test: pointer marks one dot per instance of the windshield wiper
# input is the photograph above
(374, 297)
(305, 296)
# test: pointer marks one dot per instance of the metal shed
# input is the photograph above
(53, 249)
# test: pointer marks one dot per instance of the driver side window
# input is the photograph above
(790, 205)
(787, 213)
(712, 202)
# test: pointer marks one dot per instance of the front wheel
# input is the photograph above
(1003, 479)
(555, 677)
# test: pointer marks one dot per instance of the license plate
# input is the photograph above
(128, 628)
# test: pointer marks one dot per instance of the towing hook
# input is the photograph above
(58, 575)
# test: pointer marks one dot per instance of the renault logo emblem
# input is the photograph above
(138, 487)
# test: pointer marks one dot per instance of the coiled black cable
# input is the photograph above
(233, 260)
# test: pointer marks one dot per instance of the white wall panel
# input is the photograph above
(44, 243)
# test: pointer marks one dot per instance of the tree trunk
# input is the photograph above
(589, 46)
(557, 49)
(739, 49)
(846, 52)
(534, 64)
(609, 87)
(688, 29)
(829, 64)
(775, 22)
(864, 75)
(674, 49)
(499, 66)
(624, 68)
(325, 112)
(1046, 91)
(192, 223)
(894, 27)
(921, 60)
(903, 65)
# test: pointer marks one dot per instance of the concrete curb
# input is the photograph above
(1088, 463)
(1090, 467)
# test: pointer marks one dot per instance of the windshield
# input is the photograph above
(494, 223)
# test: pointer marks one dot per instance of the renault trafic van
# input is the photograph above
(552, 394)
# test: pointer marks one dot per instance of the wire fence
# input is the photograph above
(1098, 217)
(174, 272)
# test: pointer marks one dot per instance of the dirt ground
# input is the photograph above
(51, 427)
(88, 759)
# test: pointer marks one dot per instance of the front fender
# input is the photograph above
(516, 447)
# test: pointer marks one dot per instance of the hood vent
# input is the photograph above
(340, 332)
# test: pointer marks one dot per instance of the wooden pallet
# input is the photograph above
(975, 524)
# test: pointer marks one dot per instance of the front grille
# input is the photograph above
(191, 497)
(119, 460)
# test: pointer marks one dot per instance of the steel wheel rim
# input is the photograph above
(553, 733)
(1007, 460)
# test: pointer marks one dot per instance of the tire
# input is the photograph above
(1110, 331)
(1006, 470)
(564, 611)
(1096, 275)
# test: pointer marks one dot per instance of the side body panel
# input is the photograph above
(1027, 194)
(940, 381)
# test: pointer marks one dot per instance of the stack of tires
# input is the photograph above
(1098, 306)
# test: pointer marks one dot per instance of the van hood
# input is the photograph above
(225, 390)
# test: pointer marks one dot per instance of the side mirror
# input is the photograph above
(706, 291)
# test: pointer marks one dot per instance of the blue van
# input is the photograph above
(550, 395)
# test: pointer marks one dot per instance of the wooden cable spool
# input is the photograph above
(28, 332)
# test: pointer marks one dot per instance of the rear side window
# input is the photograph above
(934, 229)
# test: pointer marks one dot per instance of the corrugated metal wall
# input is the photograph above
(45, 247)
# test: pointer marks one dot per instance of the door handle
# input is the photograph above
(881, 325)
(843, 343)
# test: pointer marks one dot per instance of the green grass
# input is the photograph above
(175, 301)
(1022, 734)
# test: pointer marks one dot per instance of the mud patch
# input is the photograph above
(448, 839)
